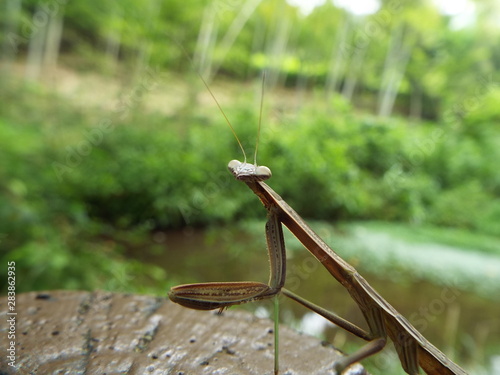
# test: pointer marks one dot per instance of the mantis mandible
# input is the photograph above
(383, 320)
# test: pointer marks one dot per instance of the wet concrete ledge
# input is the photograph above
(76, 332)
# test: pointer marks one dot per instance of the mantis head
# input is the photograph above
(248, 172)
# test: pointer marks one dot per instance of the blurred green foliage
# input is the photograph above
(238, 38)
(74, 194)
(83, 185)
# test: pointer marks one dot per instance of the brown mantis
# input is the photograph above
(383, 320)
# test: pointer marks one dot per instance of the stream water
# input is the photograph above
(451, 295)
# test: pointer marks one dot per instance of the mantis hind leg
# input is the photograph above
(328, 315)
(374, 345)
(365, 351)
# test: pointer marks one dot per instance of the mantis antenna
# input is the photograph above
(215, 100)
(227, 120)
(262, 172)
(260, 118)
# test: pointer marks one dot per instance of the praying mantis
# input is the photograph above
(383, 320)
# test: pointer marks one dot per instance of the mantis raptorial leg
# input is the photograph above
(220, 295)
(383, 320)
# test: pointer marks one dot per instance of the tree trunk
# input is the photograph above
(337, 60)
(394, 69)
(11, 28)
(277, 50)
(353, 73)
(36, 46)
(416, 101)
(53, 42)
(113, 41)
(233, 32)
(204, 51)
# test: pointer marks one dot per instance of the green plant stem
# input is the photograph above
(276, 333)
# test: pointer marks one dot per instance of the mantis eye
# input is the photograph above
(263, 173)
(233, 166)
